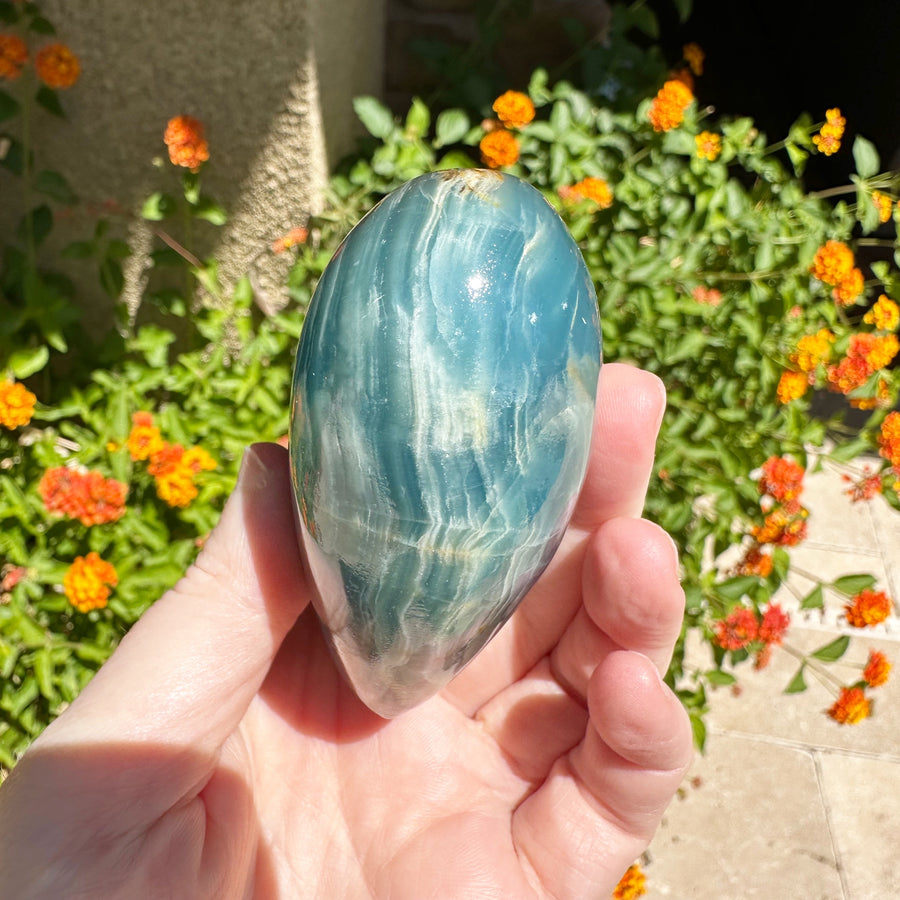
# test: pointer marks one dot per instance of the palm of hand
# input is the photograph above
(245, 770)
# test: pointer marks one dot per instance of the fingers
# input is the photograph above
(629, 410)
(185, 674)
(600, 804)
(632, 600)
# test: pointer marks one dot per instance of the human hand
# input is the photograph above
(219, 754)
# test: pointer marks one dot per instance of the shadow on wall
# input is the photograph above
(272, 81)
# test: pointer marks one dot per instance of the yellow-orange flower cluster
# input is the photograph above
(709, 145)
(173, 467)
(813, 349)
(88, 582)
(499, 148)
(868, 607)
(596, 189)
(889, 440)
(884, 205)
(791, 386)
(632, 884)
(13, 56)
(833, 265)
(514, 109)
(851, 707)
(694, 57)
(667, 109)
(828, 140)
(184, 136)
(57, 66)
(88, 497)
(16, 404)
(884, 314)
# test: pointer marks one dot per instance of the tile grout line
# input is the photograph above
(829, 824)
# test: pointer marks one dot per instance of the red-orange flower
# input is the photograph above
(88, 582)
(781, 478)
(187, 145)
(755, 562)
(738, 629)
(694, 57)
(13, 56)
(294, 237)
(667, 109)
(499, 148)
(865, 487)
(16, 404)
(851, 707)
(86, 496)
(514, 109)
(868, 607)
(706, 296)
(774, 624)
(877, 670)
(57, 66)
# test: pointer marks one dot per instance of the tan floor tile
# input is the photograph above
(760, 706)
(887, 533)
(834, 519)
(753, 830)
(863, 800)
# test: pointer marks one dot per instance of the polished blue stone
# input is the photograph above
(443, 401)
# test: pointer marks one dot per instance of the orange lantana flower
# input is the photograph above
(877, 670)
(499, 148)
(88, 582)
(791, 386)
(781, 478)
(694, 57)
(186, 143)
(632, 884)
(13, 56)
(868, 607)
(86, 496)
(16, 404)
(514, 109)
(851, 707)
(884, 314)
(591, 188)
(828, 140)
(144, 439)
(667, 109)
(889, 439)
(57, 66)
(175, 468)
(884, 205)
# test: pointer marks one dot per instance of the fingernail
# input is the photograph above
(253, 474)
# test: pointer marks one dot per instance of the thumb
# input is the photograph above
(186, 672)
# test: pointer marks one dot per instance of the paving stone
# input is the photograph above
(862, 798)
(754, 829)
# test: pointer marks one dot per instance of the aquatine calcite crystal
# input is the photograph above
(443, 401)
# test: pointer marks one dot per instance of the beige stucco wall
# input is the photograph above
(273, 80)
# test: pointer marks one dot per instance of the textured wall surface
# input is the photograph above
(272, 80)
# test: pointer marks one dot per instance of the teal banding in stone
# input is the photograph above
(443, 403)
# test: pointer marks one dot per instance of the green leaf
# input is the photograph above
(208, 209)
(797, 684)
(832, 651)
(815, 599)
(418, 119)
(50, 101)
(26, 362)
(866, 157)
(455, 159)
(684, 8)
(720, 678)
(451, 126)
(644, 19)
(43, 673)
(39, 222)
(78, 250)
(40, 25)
(737, 587)
(853, 584)
(9, 106)
(157, 206)
(376, 117)
(698, 729)
(54, 185)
